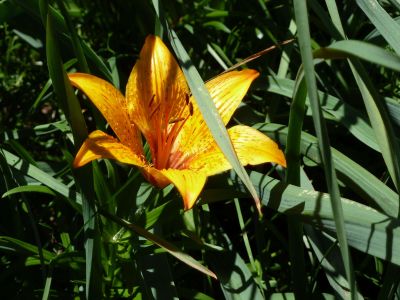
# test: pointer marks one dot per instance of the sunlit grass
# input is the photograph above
(330, 99)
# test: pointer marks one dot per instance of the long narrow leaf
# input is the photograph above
(345, 114)
(377, 112)
(292, 153)
(300, 9)
(362, 50)
(70, 105)
(171, 249)
(73, 198)
(208, 108)
(368, 230)
(383, 22)
(355, 176)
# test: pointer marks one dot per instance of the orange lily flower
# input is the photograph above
(159, 105)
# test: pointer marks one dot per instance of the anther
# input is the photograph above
(151, 100)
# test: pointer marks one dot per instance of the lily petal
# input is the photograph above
(252, 148)
(227, 90)
(157, 98)
(189, 184)
(102, 145)
(112, 105)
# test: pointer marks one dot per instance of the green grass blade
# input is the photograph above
(18, 246)
(22, 152)
(236, 279)
(74, 199)
(47, 286)
(76, 43)
(208, 109)
(301, 14)
(380, 122)
(71, 108)
(65, 95)
(296, 116)
(377, 113)
(93, 59)
(383, 22)
(171, 249)
(211, 115)
(158, 28)
(368, 186)
(393, 107)
(362, 50)
(292, 153)
(368, 230)
(345, 114)
(326, 249)
(234, 275)
(29, 189)
(391, 282)
(246, 240)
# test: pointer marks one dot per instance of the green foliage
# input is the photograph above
(330, 98)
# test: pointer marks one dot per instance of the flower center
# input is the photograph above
(168, 122)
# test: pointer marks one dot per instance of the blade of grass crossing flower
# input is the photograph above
(292, 154)
(301, 15)
(382, 21)
(210, 113)
(158, 28)
(72, 111)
